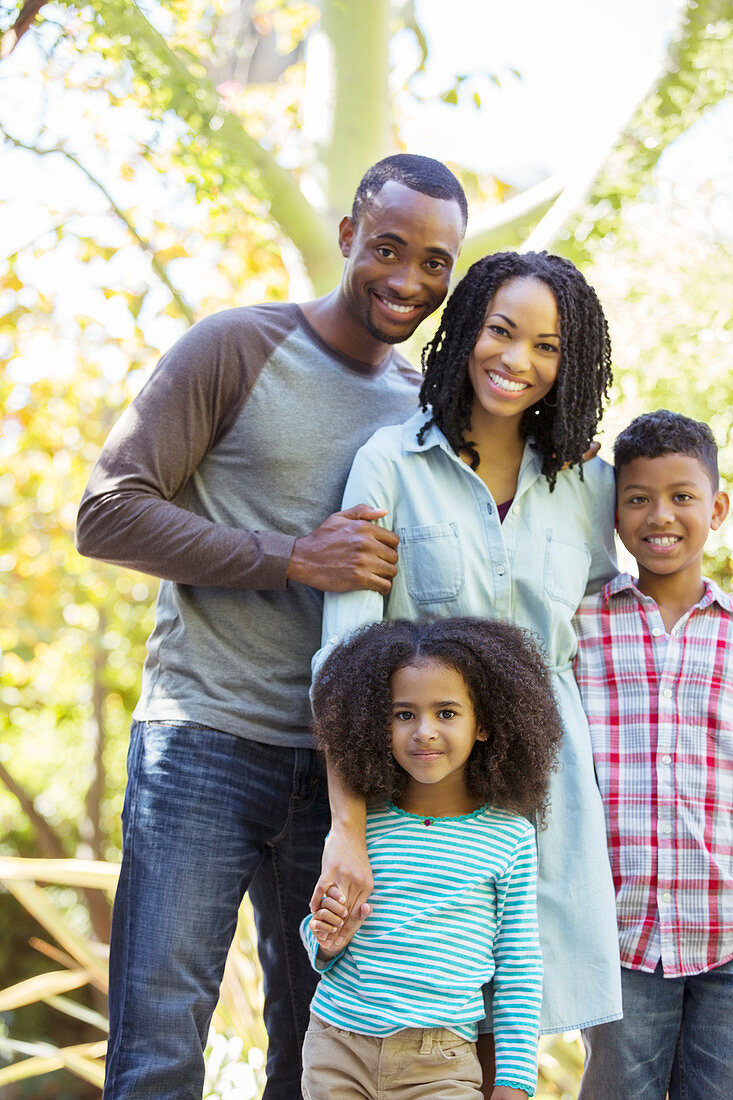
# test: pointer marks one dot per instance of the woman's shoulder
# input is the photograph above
(594, 489)
(393, 438)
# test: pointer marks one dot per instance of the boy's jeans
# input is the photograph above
(208, 816)
(676, 1034)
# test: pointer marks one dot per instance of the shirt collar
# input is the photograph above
(434, 437)
(624, 582)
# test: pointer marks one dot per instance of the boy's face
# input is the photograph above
(666, 508)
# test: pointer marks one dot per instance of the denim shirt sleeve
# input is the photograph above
(371, 481)
(602, 497)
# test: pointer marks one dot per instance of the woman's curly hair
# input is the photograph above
(562, 426)
(508, 684)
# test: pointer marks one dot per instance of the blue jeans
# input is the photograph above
(676, 1035)
(208, 816)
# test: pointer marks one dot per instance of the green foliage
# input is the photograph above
(666, 292)
(696, 77)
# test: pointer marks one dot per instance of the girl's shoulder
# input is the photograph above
(509, 821)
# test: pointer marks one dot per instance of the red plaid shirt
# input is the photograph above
(660, 711)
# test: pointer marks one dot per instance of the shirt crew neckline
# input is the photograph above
(356, 366)
(451, 817)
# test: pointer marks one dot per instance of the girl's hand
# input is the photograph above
(503, 1092)
(346, 877)
(328, 921)
(330, 915)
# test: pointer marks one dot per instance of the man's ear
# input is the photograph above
(721, 507)
(346, 236)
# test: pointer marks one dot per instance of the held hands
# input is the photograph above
(346, 553)
(345, 862)
(327, 923)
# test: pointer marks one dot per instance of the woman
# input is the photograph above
(498, 516)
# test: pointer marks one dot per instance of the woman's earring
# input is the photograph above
(550, 404)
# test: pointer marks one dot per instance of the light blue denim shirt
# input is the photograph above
(457, 558)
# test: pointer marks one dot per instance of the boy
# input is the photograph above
(655, 671)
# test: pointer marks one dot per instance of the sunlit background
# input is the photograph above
(163, 160)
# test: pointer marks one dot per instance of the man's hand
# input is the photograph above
(346, 877)
(346, 553)
(328, 920)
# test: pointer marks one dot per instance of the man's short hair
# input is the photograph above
(423, 174)
(663, 432)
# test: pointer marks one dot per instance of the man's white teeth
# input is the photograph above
(663, 540)
(506, 383)
(395, 308)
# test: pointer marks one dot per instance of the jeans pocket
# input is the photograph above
(432, 560)
(566, 569)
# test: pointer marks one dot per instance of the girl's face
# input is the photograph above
(516, 358)
(434, 728)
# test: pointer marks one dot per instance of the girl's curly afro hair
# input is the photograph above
(561, 426)
(508, 684)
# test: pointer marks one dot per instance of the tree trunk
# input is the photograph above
(356, 96)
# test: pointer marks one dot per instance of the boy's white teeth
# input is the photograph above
(663, 540)
(506, 383)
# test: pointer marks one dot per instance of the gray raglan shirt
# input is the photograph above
(240, 442)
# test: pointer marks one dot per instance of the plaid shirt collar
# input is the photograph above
(624, 582)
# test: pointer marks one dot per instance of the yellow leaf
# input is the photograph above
(63, 872)
(77, 1059)
(42, 986)
(46, 913)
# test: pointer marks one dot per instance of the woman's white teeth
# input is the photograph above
(663, 540)
(506, 383)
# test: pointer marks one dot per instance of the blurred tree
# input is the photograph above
(199, 69)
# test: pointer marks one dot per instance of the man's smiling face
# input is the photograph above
(399, 259)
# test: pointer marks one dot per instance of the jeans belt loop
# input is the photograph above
(426, 1045)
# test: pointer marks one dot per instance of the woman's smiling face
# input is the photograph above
(515, 361)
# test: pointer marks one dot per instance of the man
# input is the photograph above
(223, 478)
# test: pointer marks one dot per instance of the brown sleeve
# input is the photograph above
(127, 516)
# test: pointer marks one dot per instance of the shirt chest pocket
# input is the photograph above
(566, 569)
(432, 562)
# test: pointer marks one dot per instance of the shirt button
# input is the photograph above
(667, 693)
(516, 509)
(668, 829)
(500, 570)
(666, 896)
(666, 759)
(657, 631)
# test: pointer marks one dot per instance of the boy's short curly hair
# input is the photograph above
(562, 426)
(509, 686)
(654, 434)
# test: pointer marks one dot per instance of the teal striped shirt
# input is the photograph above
(454, 905)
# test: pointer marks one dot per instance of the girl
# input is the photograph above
(449, 729)
(497, 515)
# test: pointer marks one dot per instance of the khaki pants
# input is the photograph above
(417, 1063)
